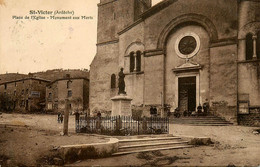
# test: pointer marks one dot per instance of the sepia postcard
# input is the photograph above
(129, 83)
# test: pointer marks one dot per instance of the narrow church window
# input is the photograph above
(138, 61)
(249, 47)
(113, 81)
(132, 62)
(258, 45)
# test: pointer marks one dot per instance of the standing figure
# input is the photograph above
(121, 82)
(155, 111)
(206, 107)
(199, 109)
(177, 113)
(99, 114)
(151, 110)
(98, 122)
(61, 118)
(77, 117)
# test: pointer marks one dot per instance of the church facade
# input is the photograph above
(180, 53)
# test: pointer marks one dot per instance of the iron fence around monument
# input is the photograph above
(122, 125)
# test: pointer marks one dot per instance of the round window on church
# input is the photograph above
(187, 45)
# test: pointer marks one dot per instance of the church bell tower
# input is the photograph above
(115, 15)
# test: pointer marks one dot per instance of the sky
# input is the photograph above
(31, 45)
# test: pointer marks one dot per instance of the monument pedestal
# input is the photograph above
(121, 105)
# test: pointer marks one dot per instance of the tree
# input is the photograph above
(6, 104)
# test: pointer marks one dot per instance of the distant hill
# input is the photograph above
(60, 73)
(11, 77)
(49, 74)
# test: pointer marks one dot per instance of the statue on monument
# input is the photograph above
(121, 82)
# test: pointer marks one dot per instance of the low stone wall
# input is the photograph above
(222, 109)
(252, 119)
(73, 153)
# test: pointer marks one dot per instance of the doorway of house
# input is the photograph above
(26, 105)
(187, 93)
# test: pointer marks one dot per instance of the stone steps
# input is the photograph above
(149, 140)
(154, 149)
(201, 120)
(129, 146)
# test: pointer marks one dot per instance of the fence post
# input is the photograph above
(138, 125)
(66, 118)
(168, 125)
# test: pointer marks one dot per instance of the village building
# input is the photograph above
(23, 95)
(71, 91)
(180, 53)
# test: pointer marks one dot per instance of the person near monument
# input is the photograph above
(177, 113)
(151, 110)
(199, 109)
(121, 82)
(155, 111)
(98, 123)
(99, 114)
(61, 118)
(205, 107)
(59, 114)
(77, 116)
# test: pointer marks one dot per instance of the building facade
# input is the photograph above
(180, 53)
(75, 90)
(24, 95)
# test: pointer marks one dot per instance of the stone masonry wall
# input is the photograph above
(102, 67)
(223, 81)
(225, 24)
(20, 93)
(59, 91)
(173, 60)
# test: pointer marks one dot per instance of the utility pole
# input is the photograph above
(66, 118)
(162, 103)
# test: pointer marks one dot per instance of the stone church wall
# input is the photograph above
(172, 60)
(224, 19)
(223, 81)
(104, 65)
(248, 70)
(113, 16)
(154, 80)
(216, 22)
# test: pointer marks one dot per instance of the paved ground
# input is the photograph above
(26, 138)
